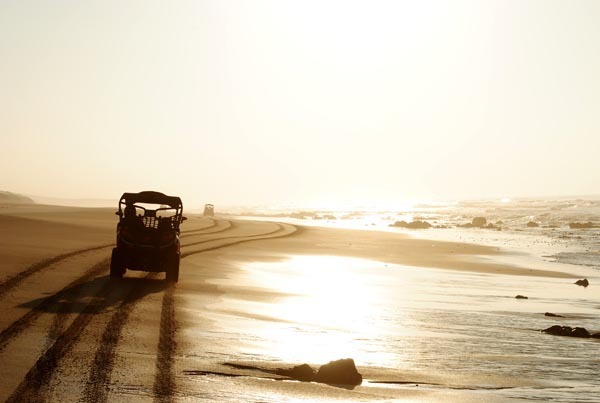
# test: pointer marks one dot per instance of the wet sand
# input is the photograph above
(409, 311)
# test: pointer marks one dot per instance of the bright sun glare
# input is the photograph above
(330, 301)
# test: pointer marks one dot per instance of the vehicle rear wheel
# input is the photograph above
(116, 264)
(172, 275)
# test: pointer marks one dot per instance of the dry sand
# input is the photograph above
(68, 332)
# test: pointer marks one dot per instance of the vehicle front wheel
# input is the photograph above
(116, 264)
(172, 275)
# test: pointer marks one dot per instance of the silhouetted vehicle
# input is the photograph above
(148, 234)
(209, 210)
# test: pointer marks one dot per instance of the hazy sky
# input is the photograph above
(244, 102)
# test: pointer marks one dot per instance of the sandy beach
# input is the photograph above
(424, 320)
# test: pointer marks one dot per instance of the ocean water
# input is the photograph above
(441, 335)
(552, 240)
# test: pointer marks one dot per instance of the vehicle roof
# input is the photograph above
(152, 197)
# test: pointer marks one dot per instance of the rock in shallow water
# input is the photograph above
(554, 315)
(339, 372)
(558, 330)
(580, 332)
(580, 225)
(583, 283)
(411, 225)
(521, 297)
(479, 222)
(302, 372)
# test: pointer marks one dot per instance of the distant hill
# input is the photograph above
(14, 198)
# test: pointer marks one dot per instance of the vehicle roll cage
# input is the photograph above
(150, 197)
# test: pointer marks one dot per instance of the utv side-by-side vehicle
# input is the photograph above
(148, 234)
(209, 210)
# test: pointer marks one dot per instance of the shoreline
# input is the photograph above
(449, 255)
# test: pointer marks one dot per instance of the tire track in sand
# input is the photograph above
(198, 232)
(15, 280)
(27, 319)
(164, 382)
(33, 388)
(96, 388)
(242, 239)
(213, 224)
(36, 383)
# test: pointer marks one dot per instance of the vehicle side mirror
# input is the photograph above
(118, 213)
(183, 218)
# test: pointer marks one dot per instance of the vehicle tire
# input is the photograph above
(172, 274)
(116, 264)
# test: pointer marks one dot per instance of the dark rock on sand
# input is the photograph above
(583, 283)
(553, 315)
(479, 222)
(558, 330)
(532, 224)
(339, 372)
(595, 336)
(302, 372)
(580, 225)
(521, 297)
(412, 225)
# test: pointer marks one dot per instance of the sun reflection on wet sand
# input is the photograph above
(330, 307)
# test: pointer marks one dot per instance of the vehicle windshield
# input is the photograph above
(147, 209)
(170, 212)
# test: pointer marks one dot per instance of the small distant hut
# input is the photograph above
(209, 210)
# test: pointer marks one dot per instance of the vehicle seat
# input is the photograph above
(164, 224)
(131, 220)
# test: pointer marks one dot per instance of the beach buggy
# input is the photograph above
(148, 234)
